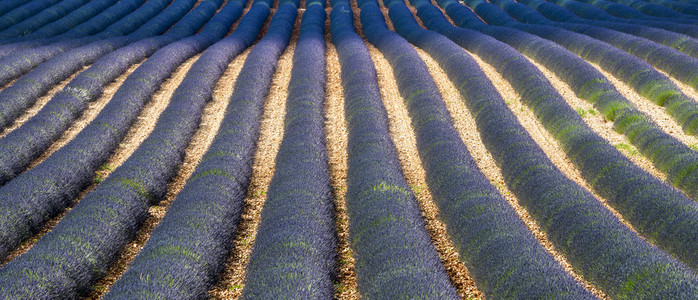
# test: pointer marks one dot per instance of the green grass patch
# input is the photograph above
(628, 148)
(582, 113)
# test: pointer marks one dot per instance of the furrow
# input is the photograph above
(135, 136)
(545, 141)
(211, 119)
(270, 134)
(465, 124)
(405, 141)
(597, 122)
(336, 131)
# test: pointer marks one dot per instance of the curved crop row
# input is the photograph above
(673, 62)
(669, 155)
(49, 15)
(92, 26)
(294, 253)
(36, 195)
(606, 252)
(658, 211)
(72, 19)
(591, 12)
(186, 252)
(504, 257)
(27, 142)
(394, 254)
(651, 9)
(680, 42)
(684, 8)
(78, 251)
(627, 12)
(9, 5)
(25, 11)
(17, 64)
(23, 92)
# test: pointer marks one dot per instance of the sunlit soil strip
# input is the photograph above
(599, 124)
(405, 141)
(135, 136)
(93, 109)
(540, 135)
(270, 134)
(211, 119)
(655, 112)
(39, 104)
(337, 139)
(465, 124)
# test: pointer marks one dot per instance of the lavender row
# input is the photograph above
(25, 11)
(684, 8)
(18, 64)
(20, 95)
(667, 153)
(79, 250)
(678, 162)
(9, 5)
(675, 63)
(551, 12)
(488, 231)
(594, 241)
(27, 142)
(414, 255)
(72, 18)
(652, 9)
(47, 16)
(627, 12)
(92, 26)
(637, 74)
(186, 252)
(659, 212)
(591, 12)
(294, 253)
(44, 191)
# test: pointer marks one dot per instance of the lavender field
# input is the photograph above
(367, 149)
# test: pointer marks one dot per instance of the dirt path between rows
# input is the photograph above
(211, 119)
(271, 132)
(467, 128)
(337, 140)
(405, 141)
(136, 134)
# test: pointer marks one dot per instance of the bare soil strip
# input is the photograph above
(337, 139)
(656, 113)
(404, 138)
(406, 143)
(135, 136)
(540, 135)
(39, 104)
(599, 124)
(271, 132)
(211, 119)
(466, 127)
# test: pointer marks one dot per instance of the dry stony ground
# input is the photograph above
(232, 280)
